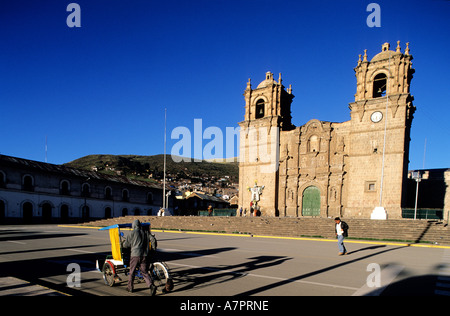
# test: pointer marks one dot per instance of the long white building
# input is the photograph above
(32, 191)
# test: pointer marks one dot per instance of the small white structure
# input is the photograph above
(378, 213)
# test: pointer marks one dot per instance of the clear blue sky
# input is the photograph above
(102, 88)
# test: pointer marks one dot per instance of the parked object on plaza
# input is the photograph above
(119, 262)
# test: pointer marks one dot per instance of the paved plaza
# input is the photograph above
(35, 259)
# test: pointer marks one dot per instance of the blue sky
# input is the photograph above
(102, 88)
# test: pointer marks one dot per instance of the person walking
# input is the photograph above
(210, 210)
(138, 244)
(341, 230)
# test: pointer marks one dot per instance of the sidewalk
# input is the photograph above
(11, 286)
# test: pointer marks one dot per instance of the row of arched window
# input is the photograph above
(108, 193)
(28, 212)
(65, 189)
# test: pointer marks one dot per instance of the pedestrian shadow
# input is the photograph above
(200, 277)
(314, 273)
(365, 249)
(165, 255)
(423, 285)
(11, 235)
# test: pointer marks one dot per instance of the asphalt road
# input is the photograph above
(220, 265)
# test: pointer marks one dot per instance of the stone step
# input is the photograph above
(295, 227)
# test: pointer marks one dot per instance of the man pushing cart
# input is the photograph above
(132, 257)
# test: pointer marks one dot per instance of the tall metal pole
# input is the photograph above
(417, 194)
(424, 152)
(46, 149)
(164, 181)
(416, 176)
(385, 128)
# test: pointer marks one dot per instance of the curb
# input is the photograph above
(351, 241)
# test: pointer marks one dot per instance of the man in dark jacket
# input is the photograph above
(137, 242)
(341, 230)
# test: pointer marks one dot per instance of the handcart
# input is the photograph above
(118, 262)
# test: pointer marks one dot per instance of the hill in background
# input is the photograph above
(151, 168)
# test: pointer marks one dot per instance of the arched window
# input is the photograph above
(150, 198)
(379, 85)
(125, 195)
(27, 183)
(65, 187)
(108, 193)
(85, 189)
(314, 144)
(259, 109)
(2, 179)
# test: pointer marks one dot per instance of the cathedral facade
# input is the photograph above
(328, 169)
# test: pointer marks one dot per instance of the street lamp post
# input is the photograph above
(379, 212)
(167, 199)
(418, 177)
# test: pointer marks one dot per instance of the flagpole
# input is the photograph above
(380, 212)
(46, 149)
(385, 130)
(164, 181)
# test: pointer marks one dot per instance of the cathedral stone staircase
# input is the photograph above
(410, 231)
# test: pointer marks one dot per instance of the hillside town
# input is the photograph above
(33, 191)
(209, 183)
(192, 196)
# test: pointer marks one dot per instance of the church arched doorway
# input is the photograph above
(311, 201)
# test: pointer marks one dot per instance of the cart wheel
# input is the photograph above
(161, 277)
(108, 274)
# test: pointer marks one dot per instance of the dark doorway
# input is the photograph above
(108, 212)
(46, 213)
(27, 212)
(2, 210)
(64, 213)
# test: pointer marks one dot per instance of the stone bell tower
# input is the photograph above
(381, 117)
(269, 104)
(267, 113)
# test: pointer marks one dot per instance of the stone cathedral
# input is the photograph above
(328, 169)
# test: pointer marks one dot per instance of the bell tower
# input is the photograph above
(267, 113)
(387, 67)
(381, 118)
(269, 102)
